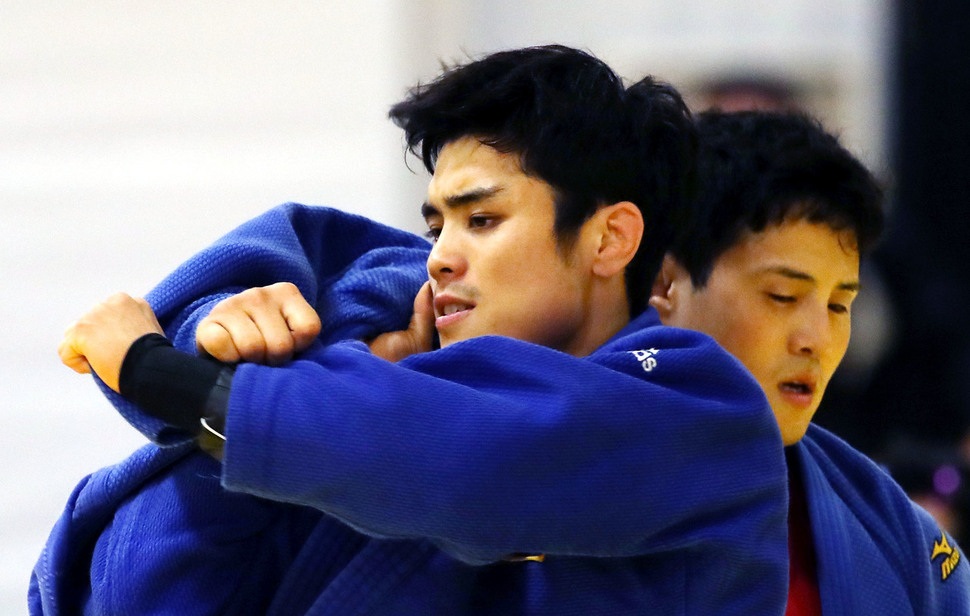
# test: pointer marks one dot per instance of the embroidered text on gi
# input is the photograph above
(646, 358)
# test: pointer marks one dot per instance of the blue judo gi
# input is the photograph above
(650, 473)
(876, 551)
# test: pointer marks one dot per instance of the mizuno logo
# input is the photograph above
(942, 548)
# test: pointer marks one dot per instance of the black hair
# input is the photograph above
(759, 168)
(575, 126)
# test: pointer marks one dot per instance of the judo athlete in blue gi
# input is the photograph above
(562, 453)
(769, 267)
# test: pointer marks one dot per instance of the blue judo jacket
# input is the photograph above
(877, 552)
(650, 474)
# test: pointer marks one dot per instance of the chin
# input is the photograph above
(444, 341)
(790, 435)
(792, 421)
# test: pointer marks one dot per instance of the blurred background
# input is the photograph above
(134, 134)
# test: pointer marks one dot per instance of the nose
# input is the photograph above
(447, 260)
(812, 332)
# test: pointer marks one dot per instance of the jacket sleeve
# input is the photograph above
(361, 277)
(493, 446)
(552, 454)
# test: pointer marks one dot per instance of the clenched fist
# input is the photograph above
(101, 338)
(263, 325)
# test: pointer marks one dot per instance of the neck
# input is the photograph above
(607, 313)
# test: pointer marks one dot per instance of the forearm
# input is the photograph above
(186, 392)
(569, 458)
(519, 462)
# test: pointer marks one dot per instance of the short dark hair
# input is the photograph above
(574, 125)
(759, 168)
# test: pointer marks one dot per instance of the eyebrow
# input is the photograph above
(454, 201)
(852, 286)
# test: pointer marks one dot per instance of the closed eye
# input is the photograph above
(783, 299)
(839, 308)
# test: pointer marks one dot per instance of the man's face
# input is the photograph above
(494, 267)
(779, 301)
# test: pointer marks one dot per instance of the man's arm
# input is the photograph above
(495, 446)
(360, 277)
(121, 341)
(694, 448)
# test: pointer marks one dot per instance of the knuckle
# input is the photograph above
(220, 309)
(305, 321)
(257, 298)
(235, 302)
(212, 335)
(118, 298)
(285, 287)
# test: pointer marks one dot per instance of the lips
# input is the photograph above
(449, 309)
(799, 390)
(796, 387)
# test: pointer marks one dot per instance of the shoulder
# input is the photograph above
(690, 347)
(182, 542)
(878, 518)
(849, 471)
(87, 518)
(101, 492)
(860, 483)
(685, 360)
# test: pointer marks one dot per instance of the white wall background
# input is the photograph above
(133, 134)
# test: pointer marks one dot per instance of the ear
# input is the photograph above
(672, 280)
(618, 229)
